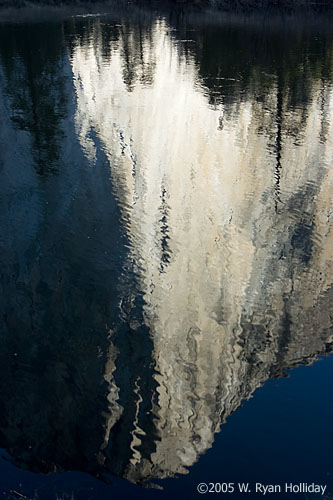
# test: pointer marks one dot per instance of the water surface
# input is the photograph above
(166, 250)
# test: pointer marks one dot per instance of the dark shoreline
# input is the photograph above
(254, 13)
(235, 6)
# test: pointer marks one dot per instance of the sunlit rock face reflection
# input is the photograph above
(193, 261)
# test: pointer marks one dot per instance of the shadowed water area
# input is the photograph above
(166, 250)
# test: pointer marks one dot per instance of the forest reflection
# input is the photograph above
(166, 233)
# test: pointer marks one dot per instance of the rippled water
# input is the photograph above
(166, 243)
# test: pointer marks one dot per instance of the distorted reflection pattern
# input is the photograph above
(179, 256)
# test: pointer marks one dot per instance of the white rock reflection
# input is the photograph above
(229, 221)
(230, 234)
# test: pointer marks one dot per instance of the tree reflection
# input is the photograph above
(32, 58)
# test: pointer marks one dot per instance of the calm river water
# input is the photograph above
(166, 256)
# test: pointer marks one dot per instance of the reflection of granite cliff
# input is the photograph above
(128, 346)
(230, 236)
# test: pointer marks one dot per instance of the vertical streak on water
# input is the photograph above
(279, 108)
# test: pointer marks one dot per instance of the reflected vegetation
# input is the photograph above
(166, 241)
(33, 71)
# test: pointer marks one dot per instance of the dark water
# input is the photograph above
(166, 250)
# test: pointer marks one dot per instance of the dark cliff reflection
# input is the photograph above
(181, 256)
